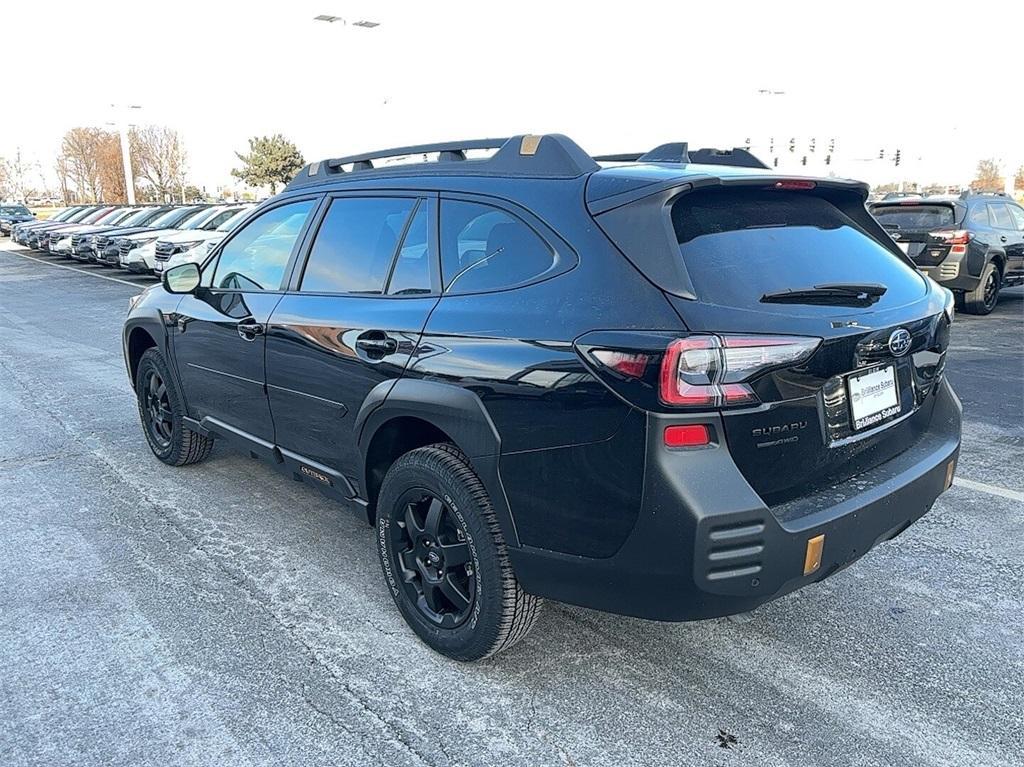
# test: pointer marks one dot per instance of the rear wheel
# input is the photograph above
(983, 299)
(162, 411)
(444, 559)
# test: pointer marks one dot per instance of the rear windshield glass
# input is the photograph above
(740, 245)
(894, 217)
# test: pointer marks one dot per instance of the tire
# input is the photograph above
(161, 410)
(983, 299)
(493, 612)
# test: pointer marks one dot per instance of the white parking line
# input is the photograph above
(74, 269)
(1002, 492)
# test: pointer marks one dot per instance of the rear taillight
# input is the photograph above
(711, 371)
(628, 364)
(952, 236)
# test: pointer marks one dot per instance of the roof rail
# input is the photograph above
(971, 193)
(547, 156)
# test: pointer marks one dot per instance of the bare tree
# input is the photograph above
(1018, 178)
(80, 147)
(6, 187)
(160, 157)
(987, 177)
(16, 170)
(110, 168)
(63, 170)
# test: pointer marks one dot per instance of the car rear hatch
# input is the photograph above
(840, 378)
(924, 229)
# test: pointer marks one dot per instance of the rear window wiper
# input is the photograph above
(838, 294)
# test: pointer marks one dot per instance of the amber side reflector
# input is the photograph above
(529, 145)
(950, 468)
(812, 559)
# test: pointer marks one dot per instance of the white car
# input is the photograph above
(194, 246)
(140, 255)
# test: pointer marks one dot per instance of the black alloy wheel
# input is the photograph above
(434, 559)
(159, 419)
(991, 290)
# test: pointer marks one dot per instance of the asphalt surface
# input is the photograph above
(222, 615)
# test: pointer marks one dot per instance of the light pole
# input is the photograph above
(126, 150)
(364, 23)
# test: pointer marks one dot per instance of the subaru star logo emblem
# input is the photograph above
(899, 342)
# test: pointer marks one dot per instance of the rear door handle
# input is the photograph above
(375, 344)
(248, 330)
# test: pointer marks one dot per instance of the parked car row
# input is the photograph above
(142, 239)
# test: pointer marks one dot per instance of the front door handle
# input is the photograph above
(1002, 237)
(375, 344)
(248, 330)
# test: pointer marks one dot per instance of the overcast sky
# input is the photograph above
(941, 82)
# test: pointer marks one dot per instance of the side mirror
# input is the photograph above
(183, 278)
(34, 214)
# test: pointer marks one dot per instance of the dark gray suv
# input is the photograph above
(973, 245)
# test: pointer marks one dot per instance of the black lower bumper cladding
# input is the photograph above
(705, 545)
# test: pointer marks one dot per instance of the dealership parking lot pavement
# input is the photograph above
(222, 615)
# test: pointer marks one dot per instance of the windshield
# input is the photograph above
(232, 222)
(169, 219)
(197, 219)
(914, 216)
(14, 210)
(740, 245)
(112, 217)
(136, 217)
(79, 215)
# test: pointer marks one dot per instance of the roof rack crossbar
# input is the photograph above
(675, 152)
(446, 148)
(548, 156)
(626, 157)
(737, 156)
(680, 152)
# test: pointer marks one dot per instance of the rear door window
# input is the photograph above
(914, 217)
(413, 272)
(739, 245)
(1018, 217)
(1000, 216)
(484, 248)
(355, 245)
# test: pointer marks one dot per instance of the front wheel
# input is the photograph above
(982, 300)
(444, 559)
(162, 410)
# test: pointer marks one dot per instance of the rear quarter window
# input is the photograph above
(739, 245)
(484, 249)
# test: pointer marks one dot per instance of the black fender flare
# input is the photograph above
(152, 322)
(998, 256)
(456, 411)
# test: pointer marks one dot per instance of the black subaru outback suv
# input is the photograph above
(973, 245)
(676, 385)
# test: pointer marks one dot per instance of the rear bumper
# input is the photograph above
(952, 273)
(705, 544)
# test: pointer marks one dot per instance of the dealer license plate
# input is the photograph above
(874, 396)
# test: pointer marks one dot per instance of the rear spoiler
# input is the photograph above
(629, 220)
